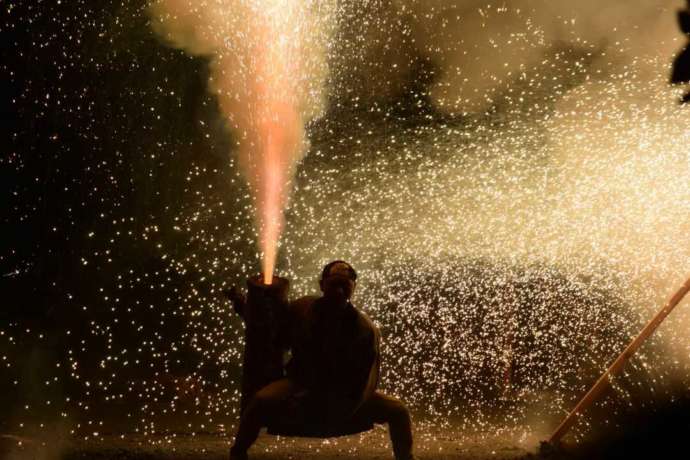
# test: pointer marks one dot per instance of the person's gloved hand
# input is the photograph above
(237, 298)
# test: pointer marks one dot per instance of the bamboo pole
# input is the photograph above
(618, 364)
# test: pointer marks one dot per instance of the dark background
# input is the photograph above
(117, 179)
(111, 144)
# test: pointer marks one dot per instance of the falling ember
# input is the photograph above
(268, 70)
(515, 199)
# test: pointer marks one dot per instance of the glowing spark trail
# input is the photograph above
(510, 179)
(548, 215)
(268, 70)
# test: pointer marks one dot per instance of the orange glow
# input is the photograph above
(268, 69)
(279, 130)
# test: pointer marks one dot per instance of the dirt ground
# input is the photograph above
(374, 445)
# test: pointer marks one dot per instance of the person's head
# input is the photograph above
(338, 281)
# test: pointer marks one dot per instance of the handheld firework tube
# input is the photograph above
(264, 315)
(680, 73)
(615, 368)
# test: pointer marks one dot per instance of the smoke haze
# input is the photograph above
(274, 64)
(478, 48)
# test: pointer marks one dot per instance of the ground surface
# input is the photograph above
(369, 446)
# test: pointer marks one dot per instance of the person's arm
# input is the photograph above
(293, 336)
(374, 366)
(363, 369)
(371, 360)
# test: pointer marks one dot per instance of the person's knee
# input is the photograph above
(269, 398)
(264, 401)
(401, 412)
(397, 411)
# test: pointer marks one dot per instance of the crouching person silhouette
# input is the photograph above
(331, 379)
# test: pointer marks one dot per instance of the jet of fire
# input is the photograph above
(268, 67)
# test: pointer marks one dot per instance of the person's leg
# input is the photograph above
(380, 408)
(265, 404)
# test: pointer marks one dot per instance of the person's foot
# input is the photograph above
(238, 455)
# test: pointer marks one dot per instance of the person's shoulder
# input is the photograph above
(365, 324)
(363, 317)
(302, 305)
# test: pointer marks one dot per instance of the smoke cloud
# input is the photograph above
(275, 64)
(480, 47)
(268, 70)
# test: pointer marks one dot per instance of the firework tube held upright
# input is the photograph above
(680, 73)
(264, 313)
(617, 365)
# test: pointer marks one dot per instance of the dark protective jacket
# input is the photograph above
(334, 357)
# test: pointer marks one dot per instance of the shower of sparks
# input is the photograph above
(506, 254)
(267, 71)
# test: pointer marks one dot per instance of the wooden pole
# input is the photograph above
(617, 365)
